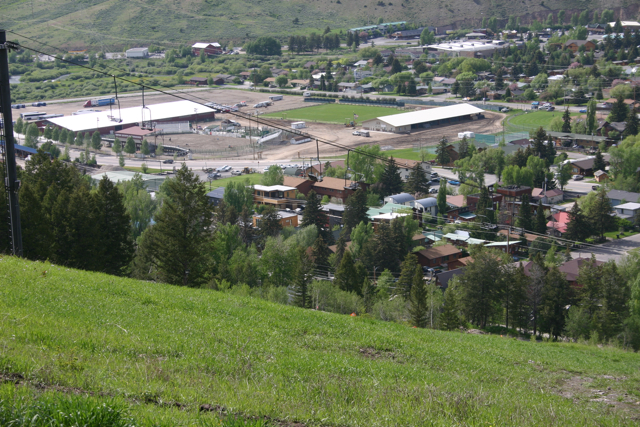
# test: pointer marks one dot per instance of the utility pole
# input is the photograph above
(11, 181)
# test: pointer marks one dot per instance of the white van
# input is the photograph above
(306, 94)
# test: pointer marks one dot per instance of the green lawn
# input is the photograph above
(409, 154)
(149, 170)
(537, 118)
(160, 352)
(334, 113)
(614, 234)
(253, 179)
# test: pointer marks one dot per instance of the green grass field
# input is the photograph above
(160, 352)
(334, 113)
(536, 119)
(253, 178)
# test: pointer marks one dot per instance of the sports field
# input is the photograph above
(537, 118)
(334, 113)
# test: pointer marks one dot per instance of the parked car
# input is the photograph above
(595, 187)
(236, 173)
(453, 182)
(225, 168)
(504, 110)
(577, 177)
(356, 132)
(214, 175)
(434, 175)
(583, 110)
(550, 108)
(433, 190)
(168, 161)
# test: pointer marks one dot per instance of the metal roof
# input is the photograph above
(273, 188)
(430, 115)
(401, 198)
(129, 116)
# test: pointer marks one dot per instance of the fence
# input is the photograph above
(173, 127)
(243, 150)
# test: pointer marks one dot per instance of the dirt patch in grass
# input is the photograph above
(605, 389)
(221, 410)
(372, 353)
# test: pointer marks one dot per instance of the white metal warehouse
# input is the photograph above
(403, 123)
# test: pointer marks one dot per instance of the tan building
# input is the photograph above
(278, 196)
(287, 219)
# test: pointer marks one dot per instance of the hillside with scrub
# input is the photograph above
(165, 355)
(116, 23)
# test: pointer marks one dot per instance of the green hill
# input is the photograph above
(116, 23)
(163, 351)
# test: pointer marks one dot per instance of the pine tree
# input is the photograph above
(117, 146)
(346, 277)
(442, 154)
(355, 210)
(390, 179)
(455, 88)
(601, 219)
(442, 198)
(524, 216)
(616, 295)
(619, 111)
(56, 134)
(554, 301)
(70, 138)
(591, 115)
(79, 139)
(269, 224)
(578, 228)
(418, 300)
(19, 126)
(632, 124)
(145, 148)
(314, 215)
(598, 162)
(566, 121)
(480, 287)
(417, 183)
(303, 277)
(96, 141)
(341, 247)
(499, 80)
(180, 240)
(395, 67)
(463, 148)
(540, 225)
(113, 229)
(320, 253)
(539, 138)
(48, 133)
(514, 297)
(450, 316)
(130, 146)
(408, 270)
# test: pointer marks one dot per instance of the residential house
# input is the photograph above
(571, 270)
(445, 255)
(426, 208)
(507, 247)
(286, 219)
(408, 34)
(548, 197)
(400, 199)
(335, 212)
(309, 64)
(574, 45)
(373, 212)
(583, 167)
(361, 63)
(601, 176)
(516, 238)
(209, 49)
(385, 53)
(405, 167)
(298, 82)
(618, 197)
(197, 81)
(628, 211)
(344, 86)
(558, 223)
(216, 196)
(472, 201)
(359, 75)
(336, 188)
(278, 196)
(442, 278)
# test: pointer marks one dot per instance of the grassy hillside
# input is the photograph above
(163, 351)
(109, 23)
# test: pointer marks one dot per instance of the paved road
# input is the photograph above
(613, 250)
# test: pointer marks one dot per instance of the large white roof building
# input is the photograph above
(113, 119)
(401, 123)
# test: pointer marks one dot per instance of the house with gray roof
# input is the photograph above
(618, 197)
(400, 199)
